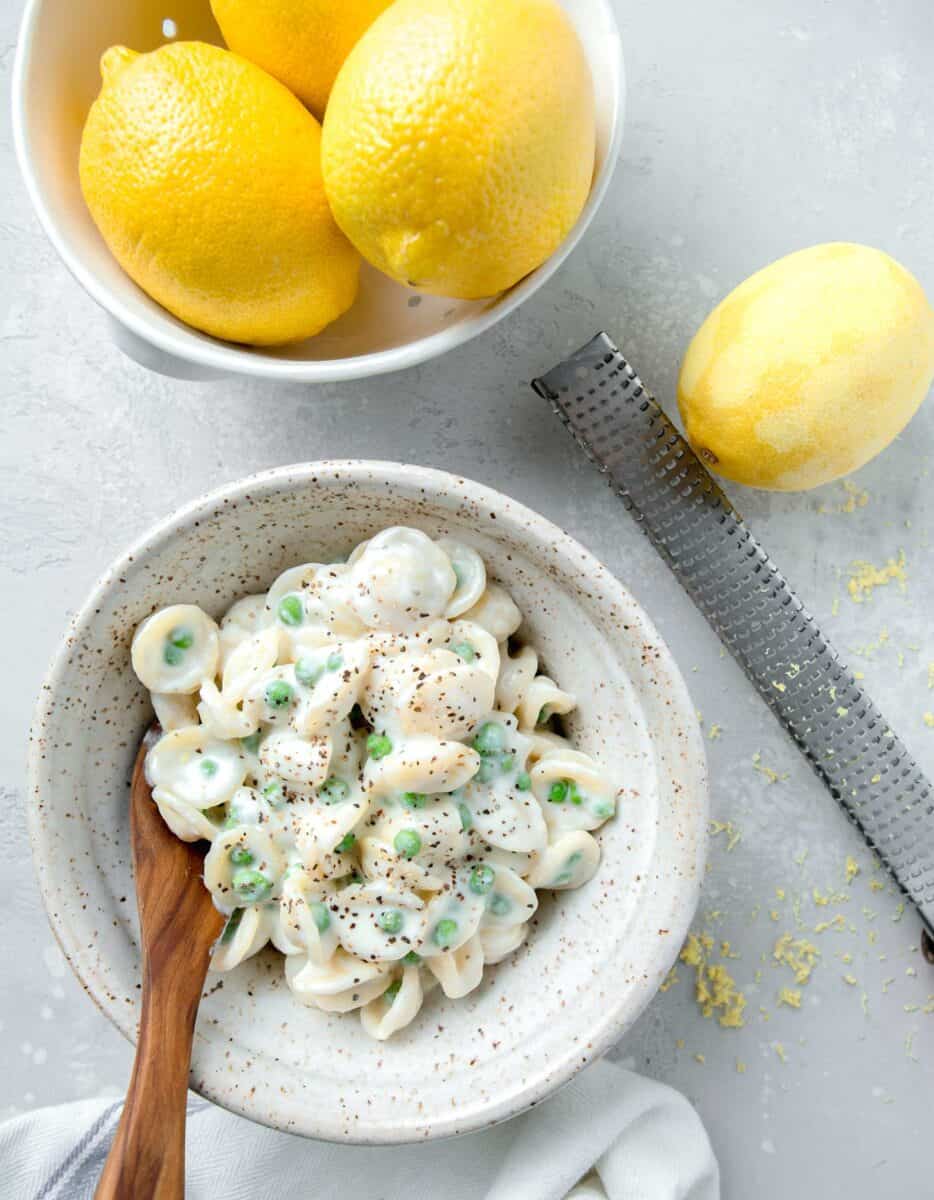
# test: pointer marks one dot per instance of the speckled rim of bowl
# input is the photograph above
(511, 516)
(228, 359)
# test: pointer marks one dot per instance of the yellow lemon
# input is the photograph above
(808, 369)
(202, 174)
(301, 42)
(458, 143)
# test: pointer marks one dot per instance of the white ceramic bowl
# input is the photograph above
(595, 956)
(56, 77)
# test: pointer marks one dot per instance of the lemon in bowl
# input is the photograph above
(301, 42)
(458, 147)
(202, 174)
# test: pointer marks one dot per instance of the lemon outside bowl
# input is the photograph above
(56, 77)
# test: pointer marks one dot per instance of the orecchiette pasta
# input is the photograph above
(394, 1008)
(541, 701)
(379, 771)
(176, 649)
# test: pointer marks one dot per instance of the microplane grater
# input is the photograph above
(750, 605)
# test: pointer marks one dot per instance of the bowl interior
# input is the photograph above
(594, 957)
(58, 79)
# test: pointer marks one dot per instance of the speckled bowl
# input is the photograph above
(595, 956)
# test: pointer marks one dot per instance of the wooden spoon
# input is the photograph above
(179, 925)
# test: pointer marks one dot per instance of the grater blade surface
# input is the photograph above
(751, 606)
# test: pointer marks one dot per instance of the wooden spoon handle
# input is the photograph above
(147, 1157)
(179, 925)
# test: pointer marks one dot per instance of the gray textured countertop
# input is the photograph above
(753, 130)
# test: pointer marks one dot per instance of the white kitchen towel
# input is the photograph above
(609, 1133)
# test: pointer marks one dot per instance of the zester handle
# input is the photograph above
(747, 600)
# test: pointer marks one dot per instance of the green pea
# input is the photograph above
(334, 790)
(482, 879)
(445, 932)
(466, 816)
(208, 767)
(251, 743)
(567, 873)
(500, 904)
(172, 655)
(412, 959)
(240, 856)
(233, 924)
(490, 739)
(464, 650)
(274, 794)
(178, 641)
(320, 915)
(392, 991)
(407, 842)
(335, 662)
(542, 715)
(523, 781)
(390, 920)
(604, 809)
(414, 799)
(576, 797)
(347, 842)
(558, 792)
(308, 672)
(506, 763)
(291, 610)
(251, 886)
(279, 694)
(486, 770)
(378, 745)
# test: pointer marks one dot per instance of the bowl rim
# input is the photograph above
(682, 892)
(227, 358)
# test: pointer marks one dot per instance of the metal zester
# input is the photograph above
(747, 600)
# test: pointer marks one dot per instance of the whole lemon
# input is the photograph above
(301, 42)
(808, 369)
(202, 174)
(458, 143)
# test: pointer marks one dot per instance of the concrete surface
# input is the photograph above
(754, 129)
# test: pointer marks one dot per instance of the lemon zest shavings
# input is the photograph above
(771, 775)
(865, 577)
(798, 954)
(733, 835)
(715, 989)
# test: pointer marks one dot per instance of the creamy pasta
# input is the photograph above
(376, 762)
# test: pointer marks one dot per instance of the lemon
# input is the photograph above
(202, 174)
(301, 42)
(458, 144)
(808, 369)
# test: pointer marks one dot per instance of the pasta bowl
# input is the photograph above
(594, 957)
(55, 79)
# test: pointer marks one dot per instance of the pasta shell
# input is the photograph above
(176, 649)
